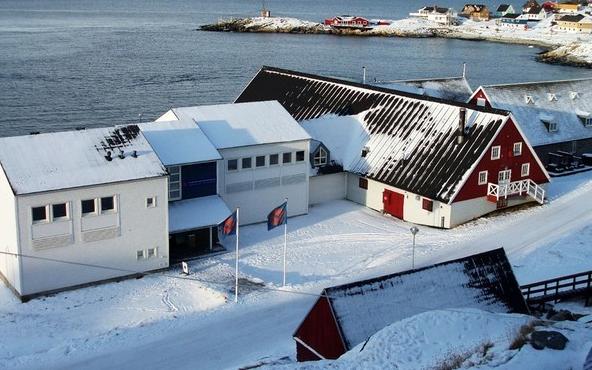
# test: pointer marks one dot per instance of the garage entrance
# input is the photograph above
(392, 203)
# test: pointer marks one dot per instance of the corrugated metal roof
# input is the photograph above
(562, 102)
(412, 138)
(483, 281)
(61, 160)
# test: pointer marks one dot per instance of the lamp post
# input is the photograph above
(414, 230)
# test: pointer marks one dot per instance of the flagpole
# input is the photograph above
(285, 239)
(236, 262)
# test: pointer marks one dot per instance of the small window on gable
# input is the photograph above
(525, 169)
(495, 152)
(427, 204)
(320, 157)
(363, 183)
(481, 102)
(59, 211)
(260, 161)
(517, 150)
(274, 159)
(246, 163)
(482, 177)
(39, 214)
(232, 164)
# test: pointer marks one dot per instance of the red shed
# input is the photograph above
(347, 315)
(346, 21)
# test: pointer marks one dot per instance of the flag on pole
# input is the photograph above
(228, 226)
(278, 216)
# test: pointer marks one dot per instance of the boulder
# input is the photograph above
(548, 339)
(562, 315)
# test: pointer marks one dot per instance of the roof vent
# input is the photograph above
(365, 151)
(80, 128)
(574, 95)
(135, 154)
(121, 154)
(551, 97)
(462, 123)
(528, 99)
(108, 156)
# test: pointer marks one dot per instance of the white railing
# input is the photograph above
(521, 187)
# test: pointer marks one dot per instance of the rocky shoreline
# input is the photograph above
(562, 52)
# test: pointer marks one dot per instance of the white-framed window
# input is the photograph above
(175, 192)
(232, 165)
(246, 163)
(300, 156)
(274, 159)
(552, 126)
(260, 161)
(588, 122)
(495, 152)
(481, 102)
(88, 206)
(482, 177)
(40, 214)
(320, 158)
(504, 177)
(140, 254)
(525, 169)
(108, 204)
(517, 150)
(60, 211)
(150, 202)
(151, 252)
(287, 158)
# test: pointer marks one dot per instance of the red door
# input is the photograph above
(393, 203)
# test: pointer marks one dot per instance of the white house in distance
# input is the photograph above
(79, 207)
(436, 14)
(264, 151)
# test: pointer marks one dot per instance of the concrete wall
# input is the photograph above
(110, 239)
(9, 265)
(324, 188)
(258, 190)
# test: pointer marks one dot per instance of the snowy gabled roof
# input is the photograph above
(503, 7)
(482, 281)
(63, 160)
(559, 101)
(179, 142)
(236, 125)
(450, 88)
(411, 137)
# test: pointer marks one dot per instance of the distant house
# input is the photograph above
(476, 12)
(554, 115)
(94, 199)
(504, 9)
(575, 23)
(567, 7)
(348, 22)
(436, 14)
(513, 21)
(347, 315)
(264, 156)
(529, 5)
(534, 14)
(422, 159)
(449, 88)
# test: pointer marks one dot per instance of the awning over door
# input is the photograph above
(196, 213)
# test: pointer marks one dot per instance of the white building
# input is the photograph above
(445, 16)
(264, 155)
(80, 207)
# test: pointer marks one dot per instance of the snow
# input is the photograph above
(453, 88)
(196, 213)
(60, 160)
(244, 124)
(133, 324)
(179, 142)
(433, 339)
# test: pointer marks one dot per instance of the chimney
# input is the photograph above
(121, 155)
(108, 156)
(462, 122)
(135, 154)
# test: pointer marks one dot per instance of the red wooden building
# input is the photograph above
(348, 315)
(346, 21)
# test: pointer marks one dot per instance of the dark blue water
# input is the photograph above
(88, 63)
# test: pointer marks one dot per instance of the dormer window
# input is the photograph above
(551, 97)
(574, 95)
(585, 117)
(588, 122)
(552, 126)
(528, 99)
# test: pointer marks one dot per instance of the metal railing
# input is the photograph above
(558, 288)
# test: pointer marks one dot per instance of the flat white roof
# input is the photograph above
(195, 213)
(179, 142)
(61, 160)
(244, 124)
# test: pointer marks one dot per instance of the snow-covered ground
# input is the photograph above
(165, 319)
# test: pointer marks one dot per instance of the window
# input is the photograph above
(427, 204)
(481, 102)
(232, 164)
(88, 206)
(300, 156)
(59, 211)
(139, 254)
(525, 170)
(517, 149)
(151, 252)
(107, 204)
(482, 177)
(174, 182)
(151, 202)
(552, 126)
(504, 177)
(529, 99)
(274, 159)
(320, 158)
(363, 183)
(246, 163)
(260, 161)
(287, 158)
(39, 214)
(495, 152)
(588, 122)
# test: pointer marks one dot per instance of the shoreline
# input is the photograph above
(565, 50)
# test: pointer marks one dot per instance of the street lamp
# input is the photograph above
(414, 230)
